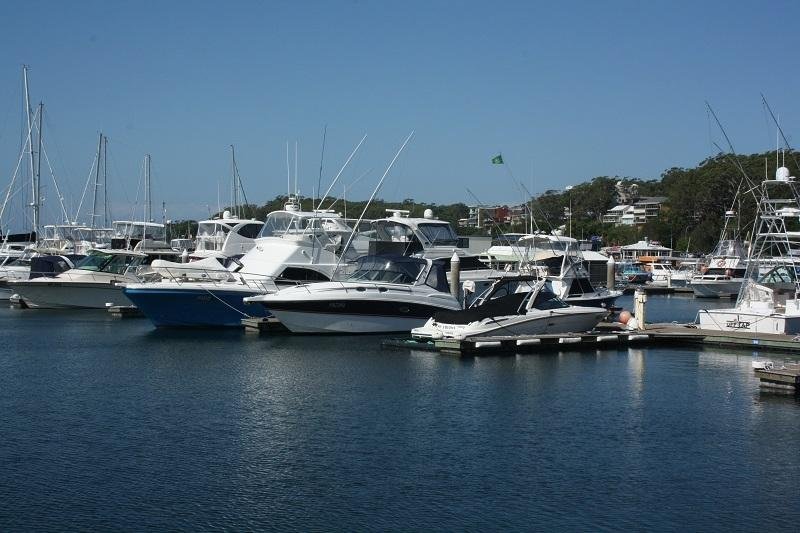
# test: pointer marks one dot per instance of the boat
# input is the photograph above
(513, 305)
(385, 294)
(293, 247)
(724, 273)
(557, 258)
(726, 267)
(635, 274)
(761, 308)
(94, 283)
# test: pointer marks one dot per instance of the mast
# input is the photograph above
(105, 182)
(37, 180)
(29, 146)
(96, 180)
(148, 205)
(235, 182)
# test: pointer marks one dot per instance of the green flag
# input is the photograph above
(497, 160)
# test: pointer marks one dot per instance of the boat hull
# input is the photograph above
(716, 288)
(351, 316)
(572, 320)
(194, 306)
(54, 294)
(735, 320)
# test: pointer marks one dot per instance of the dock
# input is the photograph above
(607, 336)
(651, 290)
(785, 377)
(263, 325)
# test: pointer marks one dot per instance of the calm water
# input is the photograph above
(108, 424)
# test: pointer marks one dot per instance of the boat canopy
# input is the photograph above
(280, 223)
(729, 248)
(129, 229)
(431, 232)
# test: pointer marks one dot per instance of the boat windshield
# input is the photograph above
(546, 299)
(112, 263)
(282, 222)
(439, 234)
(388, 270)
(388, 230)
(212, 229)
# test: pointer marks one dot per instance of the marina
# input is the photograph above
(421, 266)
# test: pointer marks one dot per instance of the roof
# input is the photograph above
(651, 200)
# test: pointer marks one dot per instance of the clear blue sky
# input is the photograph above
(565, 90)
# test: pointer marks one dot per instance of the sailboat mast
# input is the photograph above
(147, 200)
(29, 146)
(96, 180)
(235, 182)
(105, 182)
(37, 180)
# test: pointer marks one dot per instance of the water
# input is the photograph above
(108, 424)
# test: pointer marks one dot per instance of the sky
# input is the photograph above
(566, 91)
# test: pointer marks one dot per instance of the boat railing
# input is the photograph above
(187, 273)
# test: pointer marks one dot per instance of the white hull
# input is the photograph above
(54, 294)
(569, 320)
(303, 322)
(735, 320)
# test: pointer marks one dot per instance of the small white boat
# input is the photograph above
(513, 305)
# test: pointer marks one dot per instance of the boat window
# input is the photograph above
(393, 231)
(94, 262)
(250, 231)
(580, 286)
(439, 234)
(280, 223)
(377, 268)
(545, 299)
(302, 274)
(437, 279)
(211, 229)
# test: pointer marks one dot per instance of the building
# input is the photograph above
(483, 216)
(636, 213)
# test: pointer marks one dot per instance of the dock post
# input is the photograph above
(639, 301)
(455, 275)
(610, 274)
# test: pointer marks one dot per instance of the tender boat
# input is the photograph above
(513, 305)
(385, 294)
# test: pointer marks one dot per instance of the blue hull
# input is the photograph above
(189, 307)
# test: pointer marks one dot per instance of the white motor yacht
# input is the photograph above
(760, 307)
(722, 277)
(385, 293)
(513, 305)
(224, 237)
(293, 247)
(94, 283)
